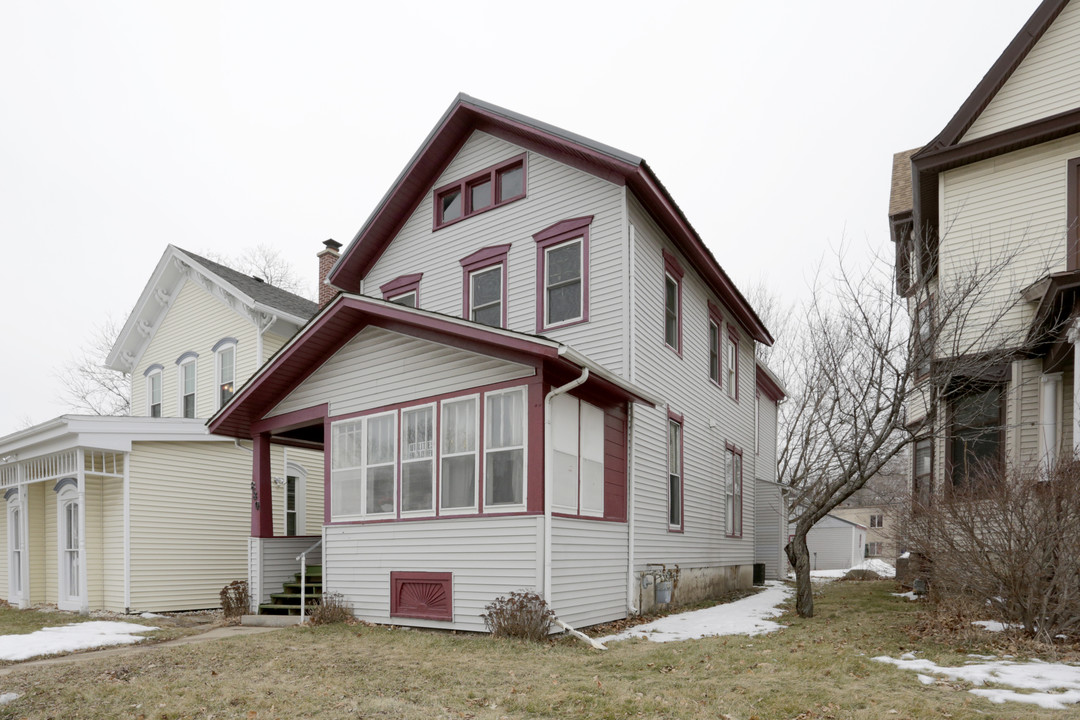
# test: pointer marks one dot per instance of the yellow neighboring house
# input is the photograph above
(150, 511)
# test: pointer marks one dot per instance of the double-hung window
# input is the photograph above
(578, 457)
(673, 275)
(675, 473)
(716, 325)
(418, 460)
(504, 449)
(922, 473)
(976, 447)
(494, 186)
(187, 375)
(924, 323)
(364, 466)
(562, 260)
(733, 492)
(153, 390)
(485, 286)
(459, 447)
(731, 364)
(225, 361)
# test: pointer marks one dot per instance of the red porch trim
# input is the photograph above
(292, 420)
(262, 506)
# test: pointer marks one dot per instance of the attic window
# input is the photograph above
(479, 192)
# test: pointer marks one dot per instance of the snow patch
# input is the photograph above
(69, 638)
(9, 697)
(926, 679)
(1040, 677)
(909, 595)
(991, 625)
(881, 567)
(749, 616)
(151, 616)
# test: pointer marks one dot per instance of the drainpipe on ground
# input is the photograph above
(549, 478)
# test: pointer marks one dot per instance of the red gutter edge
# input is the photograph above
(767, 385)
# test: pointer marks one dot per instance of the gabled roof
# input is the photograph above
(347, 314)
(253, 296)
(948, 150)
(467, 114)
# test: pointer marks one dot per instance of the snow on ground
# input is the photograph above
(68, 638)
(881, 567)
(748, 616)
(1039, 676)
(991, 625)
(910, 595)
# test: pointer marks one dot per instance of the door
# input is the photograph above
(15, 553)
(295, 504)
(70, 586)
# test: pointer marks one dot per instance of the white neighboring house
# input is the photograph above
(148, 512)
(835, 543)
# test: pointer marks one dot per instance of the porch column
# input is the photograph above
(262, 506)
(1074, 337)
(84, 599)
(1050, 432)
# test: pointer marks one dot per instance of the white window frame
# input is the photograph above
(368, 512)
(365, 423)
(150, 378)
(729, 365)
(400, 296)
(500, 269)
(442, 455)
(676, 451)
(219, 354)
(580, 240)
(677, 347)
(68, 598)
(429, 512)
(730, 519)
(524, 447)
(292, 470)
(16, 535)
(716, 364)
(336, 470)
(192, 362)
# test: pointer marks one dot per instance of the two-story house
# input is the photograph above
(535, 376)
(147, 512)
(998, 191)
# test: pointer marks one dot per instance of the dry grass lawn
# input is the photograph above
(817, 668)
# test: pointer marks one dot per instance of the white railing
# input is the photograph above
(302, 557)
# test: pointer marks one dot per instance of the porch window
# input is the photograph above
(380, 473)
(418, 460)
(459, 450)
(363, 466)
(733, 493)
(578, 452)
(504, 448)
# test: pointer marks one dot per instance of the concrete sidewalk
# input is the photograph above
(218, 633)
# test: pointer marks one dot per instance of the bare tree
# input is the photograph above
(265, 262)
(850, 365)
(87, 386)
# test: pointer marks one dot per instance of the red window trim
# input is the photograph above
(674, 269)
(733, 335)
(717, 319)
(463, 185)
(1072, 214)
(402, 285)
(443, 579)
(561, 232)
(483, 259)
(729, 447)
(676, 417)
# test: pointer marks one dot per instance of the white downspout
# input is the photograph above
(631, 333)
(549, 479)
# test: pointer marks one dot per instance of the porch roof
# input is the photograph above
(101, 432)
(348, 314)
(1057, 295)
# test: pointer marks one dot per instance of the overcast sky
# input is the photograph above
(126, 126)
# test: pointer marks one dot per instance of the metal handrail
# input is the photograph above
(302, 557)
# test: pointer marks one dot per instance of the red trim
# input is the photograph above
(672, 265)
(424, 595)
(615, 453)
(292, 420)
(457, 124)
(535, 449)
(262, 505)
(483, 259)
(402, 285)
(463, 392)
(716, 318)
(737, 451)
(464, 186)
(733, 335)
(1072, 214)
(767, 385)
(561, 232)
(682, 472)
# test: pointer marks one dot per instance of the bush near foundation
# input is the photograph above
(235, 599)
(522, 614)
(332, 608)
(1008, 542)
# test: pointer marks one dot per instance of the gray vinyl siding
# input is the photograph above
(684, 382)
(190, 520)
(770, 524)
(273, 561)
(765, 461)
(555, 192)
(489, 558)
(1044, 84)
(588, 575)
(379, 367)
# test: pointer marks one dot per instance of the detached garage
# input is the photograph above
(835, 543)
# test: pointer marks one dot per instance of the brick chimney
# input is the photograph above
(327, 258)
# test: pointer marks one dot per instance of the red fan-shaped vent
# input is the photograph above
(424, 595)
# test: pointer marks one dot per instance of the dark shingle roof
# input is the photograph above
(261, 292)
(900, 197)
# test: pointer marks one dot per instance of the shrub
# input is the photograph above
(235, 599)
(331, 609)
(1008, 543)
(523, 614)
